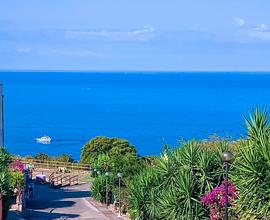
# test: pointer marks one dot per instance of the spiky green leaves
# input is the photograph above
(171, 189)
(252, 169)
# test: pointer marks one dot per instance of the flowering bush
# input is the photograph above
(216, 200)
(17, 165)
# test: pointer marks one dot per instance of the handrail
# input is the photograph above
(51, 176)
(64, 180)
(74, 180)
(55, 180)
(55, 164)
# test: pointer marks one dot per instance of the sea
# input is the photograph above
(149, 109)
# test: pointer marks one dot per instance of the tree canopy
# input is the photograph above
(105, 147)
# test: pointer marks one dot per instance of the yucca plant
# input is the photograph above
(181, 202)
(172, 187)
(251, 171)
(143, 196)
(259, 132)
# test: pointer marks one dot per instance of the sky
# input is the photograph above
(135, 35)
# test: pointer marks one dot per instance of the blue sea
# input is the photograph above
(147, 109)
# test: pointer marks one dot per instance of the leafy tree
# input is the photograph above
(101, 162)
(41, 156)
(104, 145)
(111, 155)
(64, 158)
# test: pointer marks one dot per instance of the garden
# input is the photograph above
(187, 181)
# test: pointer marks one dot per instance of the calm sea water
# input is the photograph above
(146, 109)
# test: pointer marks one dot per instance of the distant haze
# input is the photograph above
(172, 35)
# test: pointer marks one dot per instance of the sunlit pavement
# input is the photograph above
(64, 203)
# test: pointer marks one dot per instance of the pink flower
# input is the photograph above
(216, 199)
(17, 165)
(214, 214)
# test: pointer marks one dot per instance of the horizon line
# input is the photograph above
(135, 71)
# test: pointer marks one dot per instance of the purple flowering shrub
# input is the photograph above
(17, 165)
(216, 200)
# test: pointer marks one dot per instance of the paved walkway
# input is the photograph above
(65, 203)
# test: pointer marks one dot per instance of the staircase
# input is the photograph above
(59, 180)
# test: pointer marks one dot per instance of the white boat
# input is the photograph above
(44, 139)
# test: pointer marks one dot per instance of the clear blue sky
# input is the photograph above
(135, 35)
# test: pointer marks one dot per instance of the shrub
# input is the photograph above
(144, 195)
(98, 188)
(4, 159)
(171, 188)
(16, 180)
(9, 179)
(251, 172)
(105, 146)
(17, 165)
(41, 156)
(63, 158)
(173, 185)
(111, 155)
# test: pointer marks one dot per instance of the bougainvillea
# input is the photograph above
(216, 200)
(17, 165)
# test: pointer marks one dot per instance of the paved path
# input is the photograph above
(65, 203)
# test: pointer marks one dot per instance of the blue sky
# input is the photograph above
(171, 35)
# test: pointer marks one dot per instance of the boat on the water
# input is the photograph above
(45, 139)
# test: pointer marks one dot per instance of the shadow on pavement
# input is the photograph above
(38, 215)
(49, 204)
(46, 199)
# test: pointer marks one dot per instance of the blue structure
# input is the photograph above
(1, 116)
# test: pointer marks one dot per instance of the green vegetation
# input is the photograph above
(11, 177)
(45, 157)
(171, 189)
(251, 171)
(171, 186)
(111, 155)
